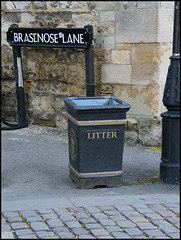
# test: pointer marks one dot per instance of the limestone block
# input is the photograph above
(4, 28)
(50, 72)
(107, 5)
(101, 29)
(123, 46)
(109, 42)
(132, 124)
(9, 104)
(145, 63)
(43, 107)
(6, 55)
(27, 17)
(61, 121)
(144, 100)
(43, 103)
(121, 57)
(76, 73)
(148, 4)
(59, 4)
(104, 28)
(44, 87)
(77, 90)
(9, 5)
(165, 26)
(107, 16)
(59, 88)
(166, 50)
(39, 4)
(30, 66)
(8, 87)
(59, 104)
(106, 42)
(150, 131)
(84, 17)
(12, 17)
(18, 5)
(106, 89)
(67, 5)
(129, 4)
(136, 25)
(3, 41)
(166, 4)
(101, 56)
(131, 137)
(8, 71)
(120, 74)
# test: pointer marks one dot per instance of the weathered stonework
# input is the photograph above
(132, 46)
(120, 74)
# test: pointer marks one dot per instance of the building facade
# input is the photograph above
(132, 46)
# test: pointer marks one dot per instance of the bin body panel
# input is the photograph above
(98, 148)
(96, 140)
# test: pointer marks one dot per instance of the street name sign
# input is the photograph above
(50, 37)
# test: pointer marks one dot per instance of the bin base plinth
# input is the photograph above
(88, 182)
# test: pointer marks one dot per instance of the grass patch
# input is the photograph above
(155, 149)
(150, 180)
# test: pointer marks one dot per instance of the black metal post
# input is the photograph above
(19, 90)
(19, 87)
(89, 62)
(170, 156)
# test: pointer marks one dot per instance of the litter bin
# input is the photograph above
(96, 127)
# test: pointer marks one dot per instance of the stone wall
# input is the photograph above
(133, 43)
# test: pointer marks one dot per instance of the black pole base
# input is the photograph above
(170, 156)
(170, 173)
(12, 126)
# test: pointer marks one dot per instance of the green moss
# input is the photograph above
(150, 180)
(155, 149)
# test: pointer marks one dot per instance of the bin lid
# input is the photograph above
(84, 103)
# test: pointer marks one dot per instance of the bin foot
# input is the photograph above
(93, 182)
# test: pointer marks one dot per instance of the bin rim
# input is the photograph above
(117, 103)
